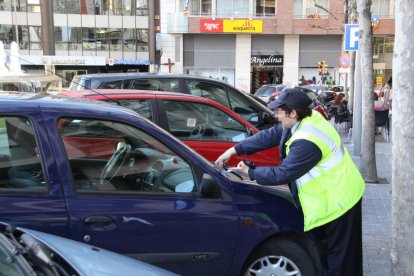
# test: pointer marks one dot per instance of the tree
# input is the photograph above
(368, 162)
(402, 249)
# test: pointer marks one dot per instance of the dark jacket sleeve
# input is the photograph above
(265, 139)
(303, 156)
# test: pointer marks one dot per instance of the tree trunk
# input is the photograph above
(402, 249)
(368, 163)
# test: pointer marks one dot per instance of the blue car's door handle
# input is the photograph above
(99, 220)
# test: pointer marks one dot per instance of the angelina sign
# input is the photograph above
(267, 60)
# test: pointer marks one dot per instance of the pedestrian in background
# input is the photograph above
(325, 183)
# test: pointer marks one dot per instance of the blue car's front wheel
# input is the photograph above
(279, 257)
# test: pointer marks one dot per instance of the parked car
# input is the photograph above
(101, 174)
(325, 94)
(29, 252)
(206, 126)
(240, 102)
(337, 88)
(264, 91)
(316, 102)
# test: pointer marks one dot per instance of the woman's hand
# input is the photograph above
(243, 167)
(225, 157)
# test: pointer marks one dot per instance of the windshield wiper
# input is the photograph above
(13, 258)
(35, 254)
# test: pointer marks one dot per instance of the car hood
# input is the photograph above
(91, 260)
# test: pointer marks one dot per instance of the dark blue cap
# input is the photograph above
(291, 97)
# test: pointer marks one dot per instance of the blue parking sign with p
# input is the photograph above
(351, 37)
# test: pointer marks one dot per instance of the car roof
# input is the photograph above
(120, 76)
(107, 93)
(17, 99)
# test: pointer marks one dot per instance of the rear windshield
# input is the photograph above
(264, 91)
(79, 83)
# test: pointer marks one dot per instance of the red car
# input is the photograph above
(206, 126)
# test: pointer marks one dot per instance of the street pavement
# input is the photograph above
(376, 211)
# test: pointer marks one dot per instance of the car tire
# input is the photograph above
(279, 257)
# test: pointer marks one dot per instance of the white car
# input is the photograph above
(29, 252)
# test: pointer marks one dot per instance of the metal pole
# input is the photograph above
(151, 35)
(48, 39)
(15, 23)
(357, 110)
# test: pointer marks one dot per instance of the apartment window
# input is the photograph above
(89, 41)
(102, 39)
(68, 38)
(23, 37)
(9, 5)
(66, 6)
(265, 7)
(142, 40)
(127, 8)
(382, 8)
(6, 5)
(33, 5)
(98, 7)
(307, 9)
(129, 37)
(35, 35)
(142, 7)
(6, 35)
(233, 8)
(198, 7)
(115, 40)
(115, 7)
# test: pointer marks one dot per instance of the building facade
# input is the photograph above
(244, 42)
(89, 35)
(252, 42)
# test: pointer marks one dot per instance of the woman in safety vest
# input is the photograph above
(322, 177)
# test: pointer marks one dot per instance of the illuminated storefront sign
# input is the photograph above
(63, 60)
(242, 26)
(211, 26)
(230, 26)
(267, 60)
(125, 61)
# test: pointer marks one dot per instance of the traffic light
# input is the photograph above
(320, 70)
(322, 67)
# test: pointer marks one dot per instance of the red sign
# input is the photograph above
(345, 60)
(211, 26)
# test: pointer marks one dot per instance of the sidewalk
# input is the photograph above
(376, 212)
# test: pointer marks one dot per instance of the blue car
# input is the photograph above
(29, 252)
(100, 174)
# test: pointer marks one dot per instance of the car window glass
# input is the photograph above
(156, 85)
(197, 121)
(20, 164)
(208, 90)
(126, 160)
(118, 84)
(244, 108)
(140, 106)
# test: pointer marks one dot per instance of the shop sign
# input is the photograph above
(378, 79)
(211, 26)
(242, 26)
(63, 60)
(125, 61)
(267, 60)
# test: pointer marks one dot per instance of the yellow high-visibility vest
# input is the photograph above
(335, 184)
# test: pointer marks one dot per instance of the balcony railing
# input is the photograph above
(177, 22)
